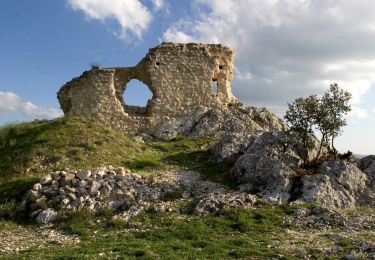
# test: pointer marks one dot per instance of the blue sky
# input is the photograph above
(284, 49)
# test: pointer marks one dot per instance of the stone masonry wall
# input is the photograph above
(180, 76)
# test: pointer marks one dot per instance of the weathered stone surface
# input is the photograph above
(367, 164)
(339, 184)
(264, 175)
(268, 166)
(46, 179)
(46, 216)
(180, 76)
(221, 121)
(175, 127)
(231, 146)
(234, 119)
(83, 175)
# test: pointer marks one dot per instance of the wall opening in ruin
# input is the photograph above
(136, 97)
(214, 87)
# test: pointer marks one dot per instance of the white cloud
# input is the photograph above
(10, 103)
(288, 48)
(133, 17)
(176, 35)
(159, 4)
(359, 113)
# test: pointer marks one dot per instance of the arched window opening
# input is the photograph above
(136, 97)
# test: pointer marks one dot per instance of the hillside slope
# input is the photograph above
(30, 150)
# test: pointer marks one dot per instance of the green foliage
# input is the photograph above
(325, 114)
(300, 118)
(330, 117)
(242, 234)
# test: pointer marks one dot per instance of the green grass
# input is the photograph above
(240, 234)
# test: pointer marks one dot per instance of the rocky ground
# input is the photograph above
(313, 229)
(16, 238)
(129, 194)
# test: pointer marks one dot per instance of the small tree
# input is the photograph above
(329, 120)
(322, 114)
(300, 120)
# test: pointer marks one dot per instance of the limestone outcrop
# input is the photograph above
(220, 122)
(337, 183)
(180, 77)
(271, 168)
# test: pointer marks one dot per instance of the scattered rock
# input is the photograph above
(83, 175)
(143, 138)
(318, 217)
(130, 194)
(216, 202)
(46, 216)
(20, 238)
(46, 180)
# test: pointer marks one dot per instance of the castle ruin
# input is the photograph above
(180, 77)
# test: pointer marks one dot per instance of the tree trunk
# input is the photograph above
(320, 148)
(334, 149)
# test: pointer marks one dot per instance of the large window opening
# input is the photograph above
(136, 97)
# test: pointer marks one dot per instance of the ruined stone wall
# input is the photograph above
(180, 76)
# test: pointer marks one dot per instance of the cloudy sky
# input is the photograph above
(284, 49)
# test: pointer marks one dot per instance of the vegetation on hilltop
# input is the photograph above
(325, 115)
(30, 150)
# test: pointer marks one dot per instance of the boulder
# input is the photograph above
(175, 127)
(221, 121)
(263, 175)
(46, 179)
(269, 165)
(46, 216)
(230, 147)
(337, 183)
(83, 175)
(228, 120)
(367, 164)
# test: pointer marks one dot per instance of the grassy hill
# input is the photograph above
(30, 150)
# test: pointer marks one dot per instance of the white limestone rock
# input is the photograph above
(83, 175)
(46, 216)
(339, 184)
